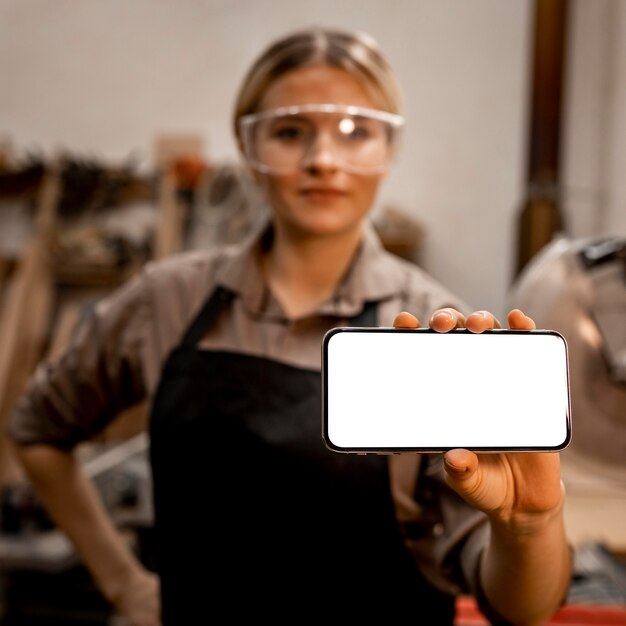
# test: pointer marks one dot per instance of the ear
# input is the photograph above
(240, 145)
(244, 161)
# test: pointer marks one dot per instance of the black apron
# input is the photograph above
(253, 514)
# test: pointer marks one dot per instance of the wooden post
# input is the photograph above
(541, 217)
(26, 314)
(170, 234)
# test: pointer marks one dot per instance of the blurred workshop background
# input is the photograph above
(116, 148)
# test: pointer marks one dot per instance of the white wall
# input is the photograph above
(104, 78)
(594, 147)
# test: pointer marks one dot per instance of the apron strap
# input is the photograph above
(367, 317)
(207, 315)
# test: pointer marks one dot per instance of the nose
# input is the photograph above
(320, 154)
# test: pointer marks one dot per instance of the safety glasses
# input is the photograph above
(359, 140)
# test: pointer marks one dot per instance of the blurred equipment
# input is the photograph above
(599, 578)
(42, 580)
(226, 206)
(402, 234)
(578, 287)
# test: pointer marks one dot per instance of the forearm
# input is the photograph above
(526, 570)
(74, 504)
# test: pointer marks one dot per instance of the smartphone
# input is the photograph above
(394, 390)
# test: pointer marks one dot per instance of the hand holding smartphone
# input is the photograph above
(392, 390)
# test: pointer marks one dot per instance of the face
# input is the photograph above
(319, 197)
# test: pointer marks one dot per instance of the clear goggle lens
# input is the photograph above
(280, 141)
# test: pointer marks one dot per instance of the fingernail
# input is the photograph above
(443, 316)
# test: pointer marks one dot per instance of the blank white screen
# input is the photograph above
(389, 388)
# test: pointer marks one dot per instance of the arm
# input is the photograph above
(74, 504)
(71, 399)
(525, 569)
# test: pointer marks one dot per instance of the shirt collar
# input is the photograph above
(373, 276)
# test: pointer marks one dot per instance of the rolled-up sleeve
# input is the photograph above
(444, 533)
(74, 397)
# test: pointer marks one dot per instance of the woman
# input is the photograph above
(254, 516)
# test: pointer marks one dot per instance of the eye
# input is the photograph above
(287, 131)
(355, 128)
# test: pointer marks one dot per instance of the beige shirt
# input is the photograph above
(118, 350)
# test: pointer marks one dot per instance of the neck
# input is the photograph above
(304, 271)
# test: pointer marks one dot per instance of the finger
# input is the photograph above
(460, 464)
(406, 320)
(461, 468)
(479, 321)
(443, 320)
(519, 321)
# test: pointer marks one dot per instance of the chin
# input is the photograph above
(325, 227)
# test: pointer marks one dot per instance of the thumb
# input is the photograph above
(461, 466)
(468, 478)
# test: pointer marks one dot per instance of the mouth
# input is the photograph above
(322, 193)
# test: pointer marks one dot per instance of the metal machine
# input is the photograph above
(578, 287)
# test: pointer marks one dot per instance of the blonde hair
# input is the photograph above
(355, 52)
